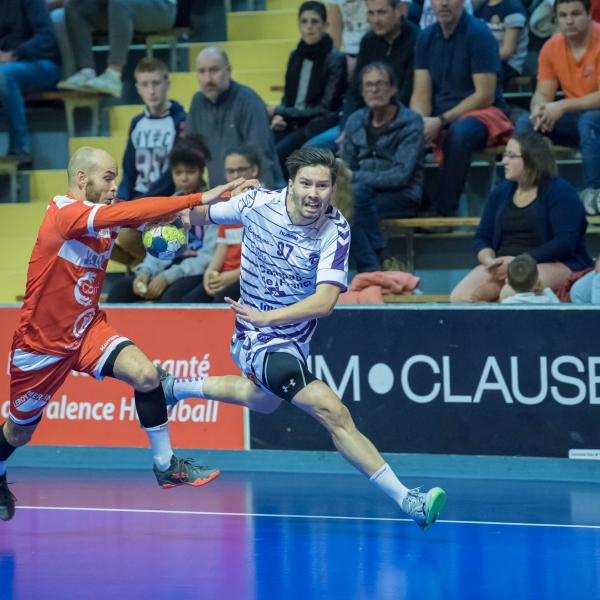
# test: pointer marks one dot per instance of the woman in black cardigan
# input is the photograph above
(315, 84)
(533, 211)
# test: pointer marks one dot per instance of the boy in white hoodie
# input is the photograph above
(522, 276)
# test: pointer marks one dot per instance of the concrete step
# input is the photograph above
(284, 5)
(263, 54)
(120, 118)
(20, 221)
(262, 25)
(45, 184)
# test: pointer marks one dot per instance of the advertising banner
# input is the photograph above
(490, 381)
(186, 342)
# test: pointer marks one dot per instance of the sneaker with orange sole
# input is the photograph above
(183, 471)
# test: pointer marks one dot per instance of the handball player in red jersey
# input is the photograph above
(61, 327)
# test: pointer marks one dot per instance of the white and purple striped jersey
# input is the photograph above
(283, 263)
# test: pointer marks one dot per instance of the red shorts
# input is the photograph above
(35, 378)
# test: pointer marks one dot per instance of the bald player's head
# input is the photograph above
(92, 174)
(213, 71)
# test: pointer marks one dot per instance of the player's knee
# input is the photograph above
(333, 413)
(145, 378)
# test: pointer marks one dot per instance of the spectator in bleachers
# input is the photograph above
(228, 114)
(152, 134)
(507, 20)
(458, 91)
(383, 147)
(391, 40)
(118, 18)
(222, 276)
(570, 60)
(169, 280)
(57, 16)
(347, 25)
(428, 16)
(29, 62)
(533, 211)
(586, 290)
(315, 82)
(522, 276)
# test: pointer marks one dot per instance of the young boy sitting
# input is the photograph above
(165, 280)
(522, 276)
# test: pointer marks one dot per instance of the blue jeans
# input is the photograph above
(464, 137)
(579, 129)
(20, 78)
(586, 290)
(326, 140)
(370, 206)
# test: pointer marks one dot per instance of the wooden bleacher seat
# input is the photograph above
(71, 101)
(9, 166)
(167, 36)
(397, 228)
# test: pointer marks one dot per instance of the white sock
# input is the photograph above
(88, 72)
(189, 388)
(112, 74)
(160, 440)
(387, 482)
(2, 467)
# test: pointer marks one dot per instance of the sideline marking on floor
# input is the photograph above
(278, 516)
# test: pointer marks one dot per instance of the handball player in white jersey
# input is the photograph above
(294, 266)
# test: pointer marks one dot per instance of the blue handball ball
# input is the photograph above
(165, 240)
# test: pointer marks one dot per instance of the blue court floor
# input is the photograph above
(254, 536)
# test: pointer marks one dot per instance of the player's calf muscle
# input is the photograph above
(18, 435)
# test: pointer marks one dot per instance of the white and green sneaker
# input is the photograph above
(424, 509)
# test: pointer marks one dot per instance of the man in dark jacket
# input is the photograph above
(391, 40)
(228, 114)
(152, 135)
(383, 147)
(29, 62)
(315, 82)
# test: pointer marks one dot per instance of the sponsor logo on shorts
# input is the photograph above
(252, 378)
(285, 388)
(33, 400)
(83, 322)
(107, 342)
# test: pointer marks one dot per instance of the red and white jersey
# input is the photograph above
(68, 265)
(65, 277)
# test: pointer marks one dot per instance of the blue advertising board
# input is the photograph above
(454, 380)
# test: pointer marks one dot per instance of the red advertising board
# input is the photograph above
(187, 342)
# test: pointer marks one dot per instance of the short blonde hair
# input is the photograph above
(151, 65)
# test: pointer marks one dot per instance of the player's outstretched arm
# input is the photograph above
(320, 304)
(200, 215)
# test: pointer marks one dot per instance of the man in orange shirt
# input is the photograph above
(570, 59)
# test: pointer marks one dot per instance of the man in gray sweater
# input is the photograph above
(228, 114)
(383, 147)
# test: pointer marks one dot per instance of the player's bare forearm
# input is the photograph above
(319, 305)
(199, 216)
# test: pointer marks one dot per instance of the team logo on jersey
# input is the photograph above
(85, 287)
(83, 322)
(313, 258)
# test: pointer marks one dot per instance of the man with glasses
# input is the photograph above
(391, 40)
(228, 114)
(383, 147)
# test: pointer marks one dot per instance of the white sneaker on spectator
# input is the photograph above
(77, 82)
(107, 83)
(590, 199)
